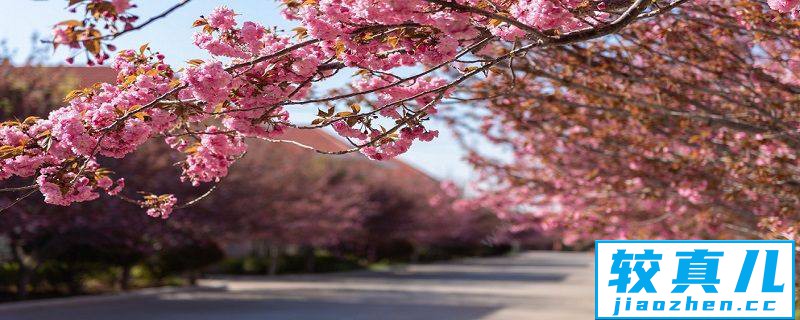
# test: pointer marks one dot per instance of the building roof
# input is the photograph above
(316, 138)
(87, 76)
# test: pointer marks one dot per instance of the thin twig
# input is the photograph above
(277, 54)
(659, 11)
(201, 197)
(17, 200)
(463, 8)
(15, 189)
(115, 35)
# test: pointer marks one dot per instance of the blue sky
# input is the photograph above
(20, 19)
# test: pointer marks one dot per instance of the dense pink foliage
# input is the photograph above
(257, 75)
(667, 133)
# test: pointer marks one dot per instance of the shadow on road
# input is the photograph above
(534, 285)
(242, 308)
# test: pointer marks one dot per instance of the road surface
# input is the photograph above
(531, 285)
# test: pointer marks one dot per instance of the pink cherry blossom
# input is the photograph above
(79, 190)
(160, 206)
(784, 5)
(222, 17)
(210, 159)
(209, 82)
(121, 5)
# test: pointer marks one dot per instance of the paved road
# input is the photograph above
(532, 285)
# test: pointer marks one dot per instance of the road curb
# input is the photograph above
(9, 306)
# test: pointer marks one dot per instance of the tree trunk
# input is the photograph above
(125, 278)
(558, 245)
(516, 247)
(26, 268)
(310, 258)
(415, 253)
(274, 257)
(192, 277)
(372, 253)
(74, 281)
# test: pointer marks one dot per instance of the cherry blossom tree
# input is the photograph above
(296, 200)
(680, 127)
(310, 202)
(36, 91)
(208, 108)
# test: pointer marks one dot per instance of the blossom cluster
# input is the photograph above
(105, 120)
(159, 206)
(101, 15)
(784, 5)
(407, 32)
(256, 109)
(208, 160)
